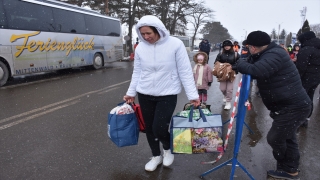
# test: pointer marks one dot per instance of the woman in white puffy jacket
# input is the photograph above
(161, 65)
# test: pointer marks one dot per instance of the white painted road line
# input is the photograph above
(28, 83)
(108, 90)
(37, 115)
(100, 91)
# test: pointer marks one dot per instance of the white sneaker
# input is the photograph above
(227, 106)
(224, 99)
(153, 163)
(167, 157)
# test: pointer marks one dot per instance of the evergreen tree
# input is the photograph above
(273, 34)
(283, 34)
(289, 39)
(215, 32)
(305, 28)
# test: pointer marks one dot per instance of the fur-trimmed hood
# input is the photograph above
(205, 57)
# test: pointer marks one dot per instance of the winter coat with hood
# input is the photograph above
(308, 61)
(207, 72)
(160, 68)
(277, 79)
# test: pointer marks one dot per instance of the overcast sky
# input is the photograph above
(239, 16)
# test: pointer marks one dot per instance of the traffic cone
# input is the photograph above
(132, 56)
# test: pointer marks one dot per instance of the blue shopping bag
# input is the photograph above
(123, 130)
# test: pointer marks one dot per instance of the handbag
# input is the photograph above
(123, 129)
(137, 110)
(189, 136)
(223, 71)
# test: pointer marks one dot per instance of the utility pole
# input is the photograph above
(303, 15)
(278, 34)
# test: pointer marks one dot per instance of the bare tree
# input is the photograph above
(106, 6)
(199, 16)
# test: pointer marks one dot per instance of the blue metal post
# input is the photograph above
(239, 126)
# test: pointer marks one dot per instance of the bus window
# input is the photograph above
(2, 16)
(69, 22)
(29, 16)
(93, 24)
(111, 27)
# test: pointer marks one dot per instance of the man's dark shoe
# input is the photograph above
(282, 175)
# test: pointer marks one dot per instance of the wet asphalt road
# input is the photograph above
(54, 126)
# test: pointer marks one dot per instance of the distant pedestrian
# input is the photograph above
(202, 75)
(294, 52)
(135, 45)
(205, 46)
(236, 46)
(245, 50)
(282, 93)
(282, 45)
(308, 64)
(289, 48)
(228, 55)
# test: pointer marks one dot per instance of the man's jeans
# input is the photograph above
(282, 137)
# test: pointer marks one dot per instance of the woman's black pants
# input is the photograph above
(157, 112)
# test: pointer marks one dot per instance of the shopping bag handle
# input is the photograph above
(120, 104)
(201, 114)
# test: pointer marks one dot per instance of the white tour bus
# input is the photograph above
(45, 35)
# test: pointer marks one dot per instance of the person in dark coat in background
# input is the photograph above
(205, 46)
(308, 64)
(282, 93)
(228, 55)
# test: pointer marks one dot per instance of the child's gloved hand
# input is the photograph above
(209, 83)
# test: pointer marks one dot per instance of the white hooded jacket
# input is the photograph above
(160, 68)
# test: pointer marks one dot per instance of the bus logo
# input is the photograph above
(31, 46)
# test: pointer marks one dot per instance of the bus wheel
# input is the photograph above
(4, 73)
(97, 61)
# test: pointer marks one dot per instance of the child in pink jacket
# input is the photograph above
(202, 75)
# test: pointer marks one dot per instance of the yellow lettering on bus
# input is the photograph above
(85, 45)
(24, 46)
(31, 46)
(60, 46)
(48, 45)
(68, 48)
(52, 48)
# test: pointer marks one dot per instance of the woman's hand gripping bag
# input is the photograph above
(123, 127)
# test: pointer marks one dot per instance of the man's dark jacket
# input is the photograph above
(308, 62)
(277, 77)
(204, 46)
